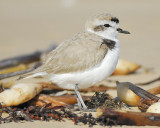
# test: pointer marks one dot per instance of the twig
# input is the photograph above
(149, 82)
(7, 75)
(25, 59)
(144, 83)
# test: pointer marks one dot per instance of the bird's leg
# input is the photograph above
(80, 101)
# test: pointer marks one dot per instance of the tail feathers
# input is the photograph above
(39, 74)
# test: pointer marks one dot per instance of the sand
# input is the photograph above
(27, 26)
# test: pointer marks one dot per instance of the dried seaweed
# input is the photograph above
(103, 99)
(59, 113)
(112, 103)
(47, 113)
(97, 100)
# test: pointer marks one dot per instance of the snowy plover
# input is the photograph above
(86, 58)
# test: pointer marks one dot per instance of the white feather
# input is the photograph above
(89, 77)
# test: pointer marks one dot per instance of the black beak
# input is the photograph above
(122, 31)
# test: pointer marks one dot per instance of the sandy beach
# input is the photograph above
(28, 26)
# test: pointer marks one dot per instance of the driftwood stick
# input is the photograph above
(155, 90)
(7, 75)
(25, 59)
(20, 59)
(129, 118)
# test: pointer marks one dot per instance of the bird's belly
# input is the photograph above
(89, 77)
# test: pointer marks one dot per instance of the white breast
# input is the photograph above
(92, 76)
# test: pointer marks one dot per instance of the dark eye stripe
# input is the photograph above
(114, 19)
(99, 28)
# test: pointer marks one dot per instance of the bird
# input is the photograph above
(84, 59)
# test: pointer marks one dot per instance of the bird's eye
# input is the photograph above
(107, 25)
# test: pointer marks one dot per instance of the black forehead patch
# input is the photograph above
(114, 19)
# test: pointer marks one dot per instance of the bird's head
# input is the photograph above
(104, 25)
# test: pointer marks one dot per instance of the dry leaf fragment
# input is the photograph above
(43, 100)
(19, 94)
(67, 99)
(125, 67)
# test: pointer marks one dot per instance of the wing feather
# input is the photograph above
(80, 53)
